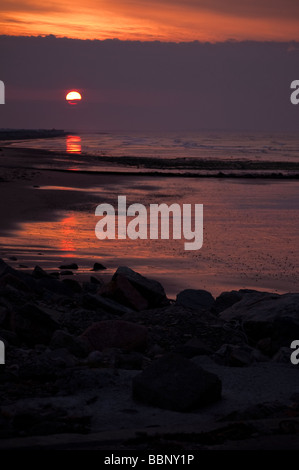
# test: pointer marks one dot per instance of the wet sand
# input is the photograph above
(250, 225)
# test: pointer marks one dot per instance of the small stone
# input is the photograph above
(95, 358)
(69, 266)
(98, 267)
(39, 273)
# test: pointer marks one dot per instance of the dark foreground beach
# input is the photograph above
(111, 358)
(117, 366)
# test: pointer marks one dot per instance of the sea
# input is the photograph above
(255, 146)
(247, 182)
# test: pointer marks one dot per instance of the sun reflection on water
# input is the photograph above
(73, 144)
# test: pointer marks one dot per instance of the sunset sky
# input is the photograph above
(146, 20)
(172, 64)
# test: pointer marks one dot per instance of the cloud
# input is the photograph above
(12, 6)
(166, 20)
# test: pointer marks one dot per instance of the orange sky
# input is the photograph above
(164, 20)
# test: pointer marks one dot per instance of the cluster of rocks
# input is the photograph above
(62, 337)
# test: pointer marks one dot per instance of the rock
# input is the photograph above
(151, 290)
(69, 266)
(9, 337)
(76, 346)
(73, 285)
(265, 346)
(265, 315)
(89, 287)
(5, 268)
(98, 267)
(15, 296)
(95, 280)
(258, 411)
(32, 325)
(39, 273)
(66, 273)
(13, 258)
(226, 300)
(95, 358)
(52, 285)
(116, 334)
(129, 361)
(15, 282)
(175, 383)
(193, 347)
(238, 355)
(195, 299)
(55, 274)
(45, 419)
(283, 355)
(4, 315)
(91, 301)
(46, 365)
(122, 291)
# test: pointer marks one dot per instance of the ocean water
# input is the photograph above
(251, 226)
(275, 147)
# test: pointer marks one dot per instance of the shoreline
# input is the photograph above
(155, 167)
(56, 205)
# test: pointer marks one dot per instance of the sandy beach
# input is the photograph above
(88, 344)
(50, 217)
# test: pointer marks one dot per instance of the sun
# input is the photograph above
(73, 97)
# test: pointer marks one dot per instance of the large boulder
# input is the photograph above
(151, 290)
(116, 334)
(32, 325)
(265, 315)
(175, 383)
(95, 302)
(226, 300)
(121, 290)
(195, 299)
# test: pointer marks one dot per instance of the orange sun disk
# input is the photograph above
(73, 97)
